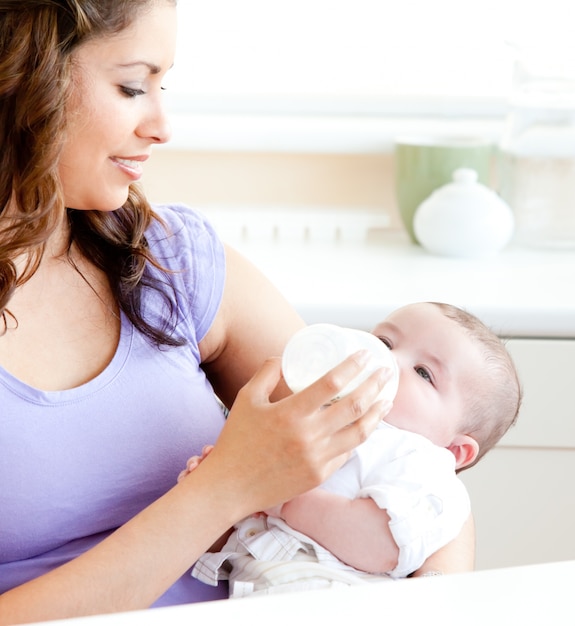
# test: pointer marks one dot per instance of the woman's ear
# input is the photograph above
(465, 449)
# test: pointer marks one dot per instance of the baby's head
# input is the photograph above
(458, 384)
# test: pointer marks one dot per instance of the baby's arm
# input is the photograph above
(355, 531)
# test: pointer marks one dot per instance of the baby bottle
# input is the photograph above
(316, 349)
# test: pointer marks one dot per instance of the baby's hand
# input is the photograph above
(194, 461)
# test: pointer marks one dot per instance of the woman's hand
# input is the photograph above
(275, 444)
(272, 451)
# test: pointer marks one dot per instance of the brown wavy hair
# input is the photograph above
(37, 39)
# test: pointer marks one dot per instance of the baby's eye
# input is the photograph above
(424, 373)
(387, 342)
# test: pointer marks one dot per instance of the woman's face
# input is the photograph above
(115, 114)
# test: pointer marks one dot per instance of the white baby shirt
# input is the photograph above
(415, 481)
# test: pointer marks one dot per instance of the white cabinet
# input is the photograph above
(522, 492)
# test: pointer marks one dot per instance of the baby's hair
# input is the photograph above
(495, 407)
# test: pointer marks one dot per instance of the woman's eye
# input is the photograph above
(424, 373)
(387, 342)
(131, 92)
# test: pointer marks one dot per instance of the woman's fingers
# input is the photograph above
(329, 386)
(356, 431)
(311, 411)
(264, 381)
(362, 399)
(276, 450)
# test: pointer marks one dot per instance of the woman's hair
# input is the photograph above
(37, 39)
(494, 408)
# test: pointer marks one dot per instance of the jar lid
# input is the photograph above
(464, 188)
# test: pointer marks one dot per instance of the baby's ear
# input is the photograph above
(465, 449)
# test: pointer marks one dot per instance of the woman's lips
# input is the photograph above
(130, 166)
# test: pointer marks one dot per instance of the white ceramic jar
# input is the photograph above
(463, 219)
(316, 349)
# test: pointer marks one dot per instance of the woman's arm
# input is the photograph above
(254, 322)
(457, 556)
(292, 446)
(267, 453)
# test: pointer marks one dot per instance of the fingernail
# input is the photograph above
(362, 357)
(384, 376)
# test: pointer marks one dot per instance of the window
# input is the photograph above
(356, 57)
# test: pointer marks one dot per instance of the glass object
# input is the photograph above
(537, 149)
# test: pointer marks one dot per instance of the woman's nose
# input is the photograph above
(157, 126)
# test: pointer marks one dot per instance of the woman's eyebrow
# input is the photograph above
(154, 69)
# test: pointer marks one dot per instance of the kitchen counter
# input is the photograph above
(540, 594)
(520, 292)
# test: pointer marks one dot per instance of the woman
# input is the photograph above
(119, 322)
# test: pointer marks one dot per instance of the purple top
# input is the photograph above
(76, 464)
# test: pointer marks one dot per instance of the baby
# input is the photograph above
(458, 394)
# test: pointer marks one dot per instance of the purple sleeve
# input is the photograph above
(191, 249)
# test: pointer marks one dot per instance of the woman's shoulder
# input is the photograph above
(183, 241)
(181, 232)
(179, 221)
(177, 212)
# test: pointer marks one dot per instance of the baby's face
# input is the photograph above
(440, 368)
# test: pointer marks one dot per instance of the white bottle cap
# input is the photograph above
(316, 349)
